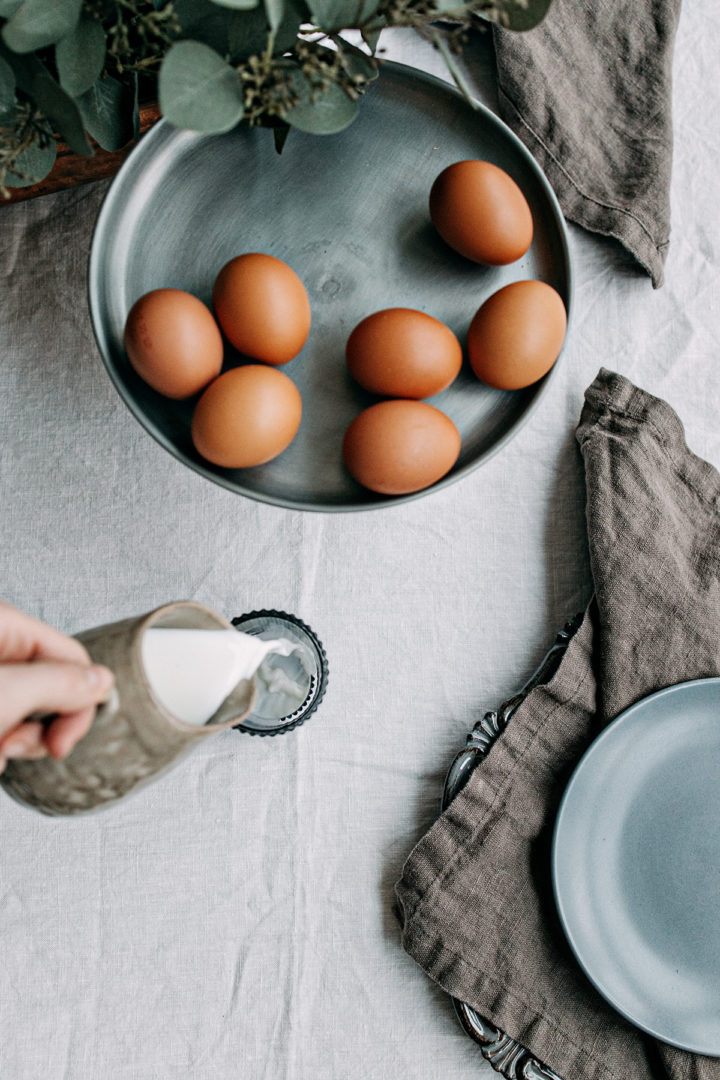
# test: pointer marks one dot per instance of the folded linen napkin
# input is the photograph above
(475, 898)
(589, 92)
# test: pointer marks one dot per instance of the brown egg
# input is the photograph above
(263, 307)
(481, 212)
(403, 353)
(517, 334)
(246, 417)
(396, 447)
(173, 342)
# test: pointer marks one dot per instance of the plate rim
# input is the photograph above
(374, 501)
(608, 733)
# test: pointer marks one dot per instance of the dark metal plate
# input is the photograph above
(349, 213)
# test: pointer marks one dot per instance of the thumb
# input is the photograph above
(47, 686)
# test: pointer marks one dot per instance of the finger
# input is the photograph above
(49, 687)
(23, 637)
(25, 741)
(65, 732)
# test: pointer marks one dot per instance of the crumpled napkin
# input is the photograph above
(589, 92)
(475, 898)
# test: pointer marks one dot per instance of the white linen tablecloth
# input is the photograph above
(235, 919)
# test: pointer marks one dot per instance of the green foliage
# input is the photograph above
(286, 35)
(513, 14)
(37, 23)
(27, 148)
(371, 37)
(7, 86)
(274, 9)
(80, 56)
(241, 4)
(280, 134)
(357, 63)
(35, 160)
(247, 34)
(75, 69)
(62, 112)
(204, 21)
(108, 109)
(339, 14)
(199, 90)
(319, 110)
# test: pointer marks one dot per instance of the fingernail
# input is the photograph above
(14, 749)
(99, 677)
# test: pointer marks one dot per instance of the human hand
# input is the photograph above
(43, 672)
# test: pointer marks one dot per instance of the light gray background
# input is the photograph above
(235, 919)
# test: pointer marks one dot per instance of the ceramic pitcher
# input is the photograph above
(133, 738)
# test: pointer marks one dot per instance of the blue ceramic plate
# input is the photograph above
(636, 864)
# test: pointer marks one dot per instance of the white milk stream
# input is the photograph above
(191, 672)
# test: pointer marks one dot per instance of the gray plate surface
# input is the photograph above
(636, 864)
(349, 213)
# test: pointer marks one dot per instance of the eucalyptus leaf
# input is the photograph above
(341, 14)
(280, 134)
(368, 8)
(371, 37)
(80, 56)
(7, 85)
(513, 14)
(8, 8)
(62, 112)
(204, 21)
(356, 60)
(33, 165)
(296, 12)
(199, 90)
(241, 5)
(323, 113)
(37, 23)
(24, 68)
(453, 7)
(108, 111)
(275, 10)
(247, 33)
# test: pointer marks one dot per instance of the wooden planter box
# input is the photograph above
(71, 170)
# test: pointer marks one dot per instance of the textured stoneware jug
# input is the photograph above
(133, 738)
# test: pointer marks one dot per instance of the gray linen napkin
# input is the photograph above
(589, 92)
(474, 898)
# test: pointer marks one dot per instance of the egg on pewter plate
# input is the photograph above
(481, 212)
(262, 307)
(246, 417)
(173, 342)
(398, 446)
(516, 335)
(400, 352)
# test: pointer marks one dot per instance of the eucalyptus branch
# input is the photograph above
(291, 74)
(137, 35)
(267, 92)
(29, 128)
